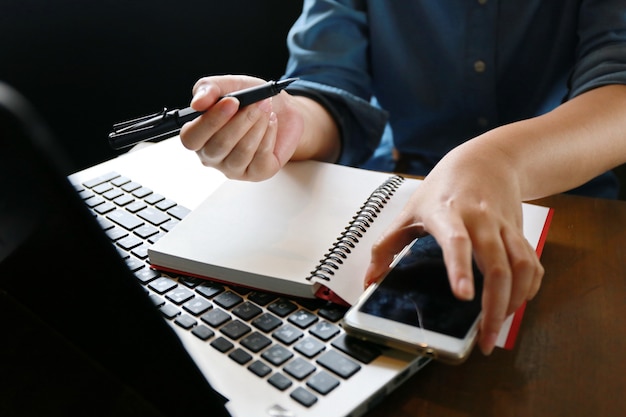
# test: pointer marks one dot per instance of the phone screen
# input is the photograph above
(417, 292)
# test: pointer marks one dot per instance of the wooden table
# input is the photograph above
(570, 356)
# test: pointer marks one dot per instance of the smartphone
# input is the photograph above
(412, 308)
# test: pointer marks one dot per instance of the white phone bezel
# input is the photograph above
(407, 337)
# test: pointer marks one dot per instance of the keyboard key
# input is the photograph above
(280, 381)
(255, 342)
(179, 212)
(299, 368)
(209, 289)
(116, 233)
(202, 332)
(303, 396)
(339, 364)
(266, 322)
(94, 201)
(156, 300)
(358, 349)
(332, 312)
(162, 285)
(129, 242)
(153, 198)
(119, 181)
(104, 208)
(303, 318)
(287, 334)
(222, 344)
(282, 307)
(165, 204)
(124, 219)
(105, 224)
(227, 300)
(309, 347)
(189, 282)
(180, 295)
(215, 317)
(261, 298)
(323, 382)
(84, 194)
(153, 216)
(246, 311)
(146, 231)
(277, 355)
(134, 264)
(240, 356)
(156, 237)
(136, 206)
(123, 200)
(146, 275)
(324, 330)
(185, 321)
(235, 329)
(197, 306)
(169, 311)
(102, 188)
(169, 225)
(140, 252)
(259, 368)
(131, 186)
(113, 193)
(142, 192)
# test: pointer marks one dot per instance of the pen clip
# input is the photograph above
(152, 127)
(139, 123)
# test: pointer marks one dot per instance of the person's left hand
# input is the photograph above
(471, 204)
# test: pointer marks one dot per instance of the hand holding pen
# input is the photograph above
(168, 123)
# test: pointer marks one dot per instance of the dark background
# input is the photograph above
(88, 64)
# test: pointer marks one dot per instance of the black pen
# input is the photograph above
(168, 123)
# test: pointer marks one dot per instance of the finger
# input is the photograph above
(391, 242)
(537, 280)
(242, 125)
(252, 147)
(454, 240)
(264, 164)
(195, 134)
(524, 268)
(492, 259)
(204, 96)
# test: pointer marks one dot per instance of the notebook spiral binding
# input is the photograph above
(355, 230)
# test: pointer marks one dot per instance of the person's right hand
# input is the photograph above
(251, 143)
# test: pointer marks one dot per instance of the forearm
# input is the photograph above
(565, 148)
(320, 137)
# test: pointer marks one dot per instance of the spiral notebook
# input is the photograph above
(306, 232)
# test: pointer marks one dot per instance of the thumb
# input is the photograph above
(387, 247)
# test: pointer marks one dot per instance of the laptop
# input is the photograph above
(73, 250)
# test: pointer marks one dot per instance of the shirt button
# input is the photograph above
(482, 2)
(482, 122)
(480, 66)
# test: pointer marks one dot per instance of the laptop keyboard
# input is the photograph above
(297, 345)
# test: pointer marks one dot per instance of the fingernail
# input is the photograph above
(229, 106)
(465, 288)
(200, 93)
(489, 342)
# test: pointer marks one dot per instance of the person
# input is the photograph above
(495, 102)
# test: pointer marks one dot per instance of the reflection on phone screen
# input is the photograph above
(417, 292)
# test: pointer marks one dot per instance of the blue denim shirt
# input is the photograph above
(428, 75)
